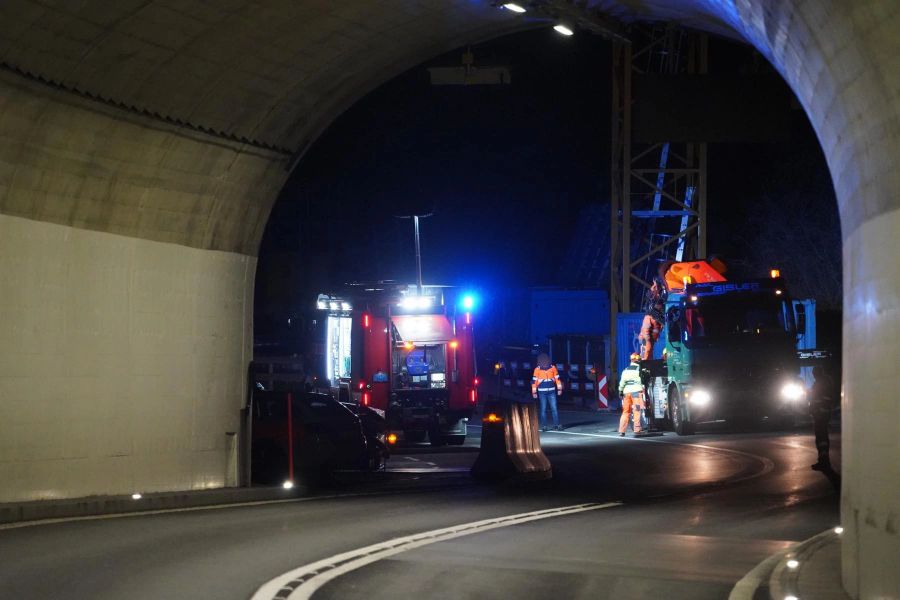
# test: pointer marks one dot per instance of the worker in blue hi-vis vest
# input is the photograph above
(631, 390)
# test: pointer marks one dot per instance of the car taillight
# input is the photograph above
(472, 396)
(365, 399)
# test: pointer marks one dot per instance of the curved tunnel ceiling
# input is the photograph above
(274, 72)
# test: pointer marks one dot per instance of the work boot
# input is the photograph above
(822, 465)
(621, 434)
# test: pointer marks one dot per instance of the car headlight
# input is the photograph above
(792, 392)
(699, 397)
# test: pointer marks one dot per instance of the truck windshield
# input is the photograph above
(720, 317)
(420, 367)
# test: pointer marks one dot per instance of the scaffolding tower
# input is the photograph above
(658, 187)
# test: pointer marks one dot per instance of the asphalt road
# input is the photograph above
(696, 514)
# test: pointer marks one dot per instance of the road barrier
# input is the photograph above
(511, 443)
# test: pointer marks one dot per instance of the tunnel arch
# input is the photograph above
(144, 146)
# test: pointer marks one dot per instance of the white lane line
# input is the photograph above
(302, 582)
(166, 511)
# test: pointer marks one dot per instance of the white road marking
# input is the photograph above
(768, 464)
(165, 511)
(302, 582)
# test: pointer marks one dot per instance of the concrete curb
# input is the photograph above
(106, 505)
(808, 577)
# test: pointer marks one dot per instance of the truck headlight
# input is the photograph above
(699, 397)
(792, 391)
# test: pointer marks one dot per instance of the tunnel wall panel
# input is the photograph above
(71, 161)
(122, 362)
(871, 410)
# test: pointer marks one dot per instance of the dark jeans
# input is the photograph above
(548, 398)
(820, 426)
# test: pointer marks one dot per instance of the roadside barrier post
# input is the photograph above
(511, 443)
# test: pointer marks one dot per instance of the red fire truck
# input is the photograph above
(406, 350)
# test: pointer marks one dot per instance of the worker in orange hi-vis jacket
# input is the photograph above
(546, 386)
(631, 389)
(655, 312)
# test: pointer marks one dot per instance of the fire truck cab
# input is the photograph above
(406, 350)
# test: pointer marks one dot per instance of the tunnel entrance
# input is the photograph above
(133, 206)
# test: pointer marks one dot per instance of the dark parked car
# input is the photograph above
(326, 437)
(375, 429)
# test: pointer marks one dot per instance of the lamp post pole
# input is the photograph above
(418, 256)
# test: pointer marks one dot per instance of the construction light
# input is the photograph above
(774, 273)
(287, 484)
(514, 7)
(493, 418)
(562, 29)
(391, 438)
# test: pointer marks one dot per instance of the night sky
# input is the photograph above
(506, 170)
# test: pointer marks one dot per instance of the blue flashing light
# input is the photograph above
(469, 301)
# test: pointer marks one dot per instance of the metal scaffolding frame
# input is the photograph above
(658, 189)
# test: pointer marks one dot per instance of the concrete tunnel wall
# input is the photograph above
(64, 427)
(122, 358)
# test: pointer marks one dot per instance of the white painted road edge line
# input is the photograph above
(302, 582)
(184, 509)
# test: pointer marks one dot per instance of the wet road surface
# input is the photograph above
(696, 514)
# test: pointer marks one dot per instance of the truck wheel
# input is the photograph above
(456, 440)
(679, 424)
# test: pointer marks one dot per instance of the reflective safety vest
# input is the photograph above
(545, 380)
(630, 382)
